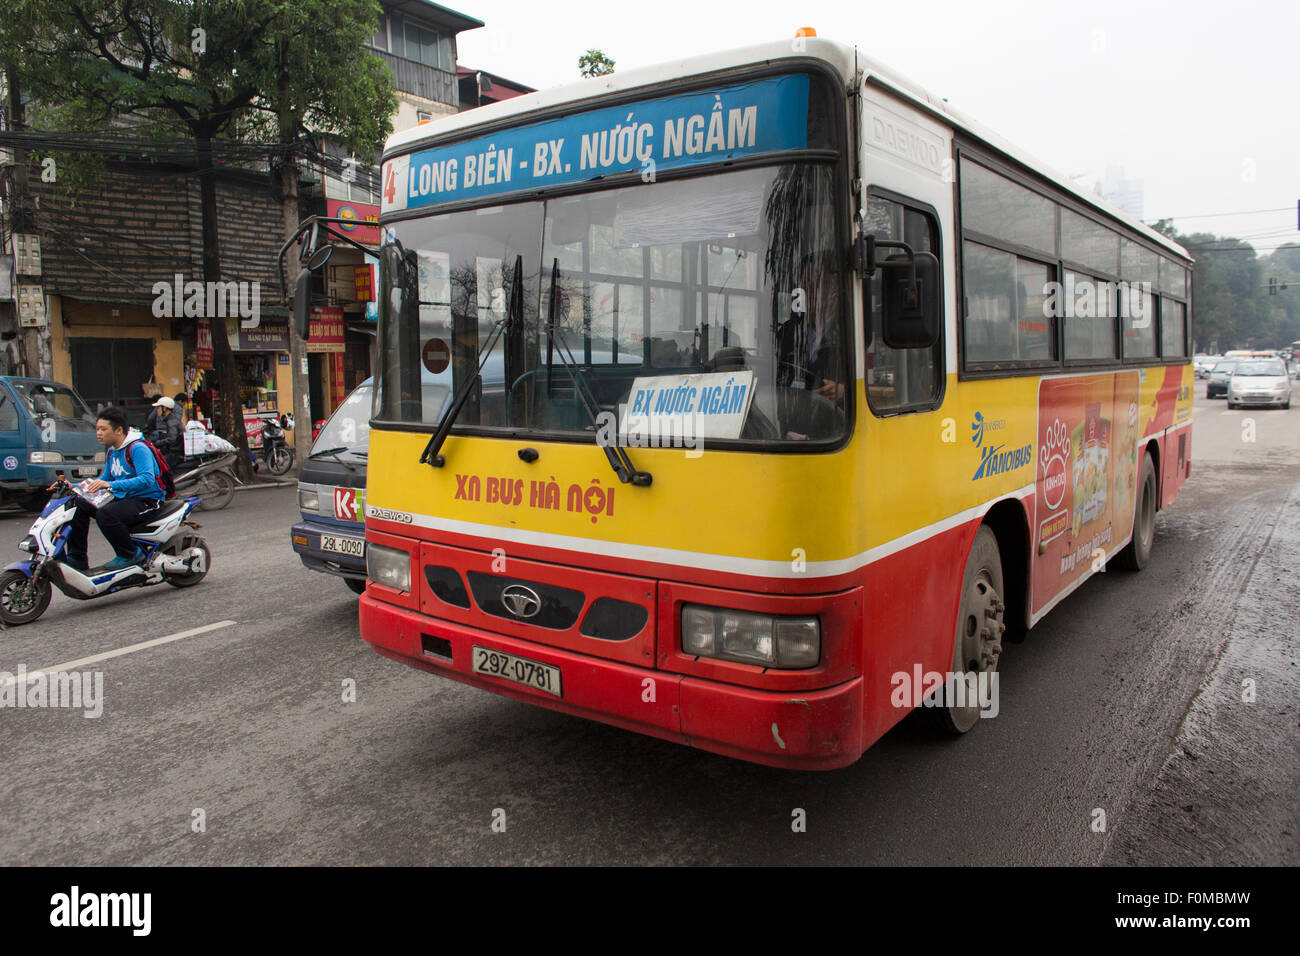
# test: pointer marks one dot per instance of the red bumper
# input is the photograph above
(803, 730)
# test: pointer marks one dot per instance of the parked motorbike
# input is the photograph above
(212, 479)
(173, 552)
(276, 451)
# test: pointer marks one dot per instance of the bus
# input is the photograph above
(807, 394)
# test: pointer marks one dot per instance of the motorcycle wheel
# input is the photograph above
(20, 604)
(179, 545)
(279, 460)
(217, 489)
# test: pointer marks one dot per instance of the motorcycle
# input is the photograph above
(275, 448)
(212, 479)
(172, 552)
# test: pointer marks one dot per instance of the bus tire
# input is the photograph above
(981, 622)
(1138, 551)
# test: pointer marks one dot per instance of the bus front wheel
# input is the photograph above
(977, 646)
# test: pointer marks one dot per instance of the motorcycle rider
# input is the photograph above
(131, 474)
(163, 428)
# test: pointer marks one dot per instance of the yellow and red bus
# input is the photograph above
(728, 401)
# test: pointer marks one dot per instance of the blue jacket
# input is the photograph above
(133, 476)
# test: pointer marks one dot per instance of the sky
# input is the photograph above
(1199, 100)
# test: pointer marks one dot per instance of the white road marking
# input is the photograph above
(108, 655)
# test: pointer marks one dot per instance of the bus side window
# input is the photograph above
(900, 379)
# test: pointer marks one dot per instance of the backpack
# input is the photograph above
(165, 481)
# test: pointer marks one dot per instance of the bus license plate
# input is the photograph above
(499, 664)
(353, 547)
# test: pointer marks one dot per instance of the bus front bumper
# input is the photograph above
(805, 730)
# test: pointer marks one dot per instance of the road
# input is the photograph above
(1127, 699)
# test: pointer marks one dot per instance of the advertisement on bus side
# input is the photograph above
(1086, 473)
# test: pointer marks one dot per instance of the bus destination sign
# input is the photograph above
(645, 137)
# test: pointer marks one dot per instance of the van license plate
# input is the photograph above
(499, 664)
(353, 547)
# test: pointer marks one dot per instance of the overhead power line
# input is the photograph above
(1217, 215)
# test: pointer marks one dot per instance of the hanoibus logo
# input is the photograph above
(996, 459)
(209, 300)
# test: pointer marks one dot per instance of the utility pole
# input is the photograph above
(20, 221)
(289, 208)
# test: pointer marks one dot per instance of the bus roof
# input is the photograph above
(842, 58)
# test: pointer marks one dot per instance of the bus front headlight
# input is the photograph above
(748, 638)
(390, 567)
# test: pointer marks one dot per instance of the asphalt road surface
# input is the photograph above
(1127, 699)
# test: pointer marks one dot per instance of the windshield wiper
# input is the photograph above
(333, 453)
(431, 454)
(616, 453)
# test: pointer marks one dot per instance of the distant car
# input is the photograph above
(1259, 382)
(1217, 386)
(1201, 364)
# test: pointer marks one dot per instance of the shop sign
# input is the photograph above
(326, 329)
(271, 335)
(363, 216)
(363, 280)
(203, 345)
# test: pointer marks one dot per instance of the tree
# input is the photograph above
(1230, 302)
(594, 63)
(208, 71)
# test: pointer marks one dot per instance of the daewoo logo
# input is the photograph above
(389, 515)
(521, 601)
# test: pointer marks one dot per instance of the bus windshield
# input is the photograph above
(729, 284)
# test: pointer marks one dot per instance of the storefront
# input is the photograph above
(261, 368)
(109, 353)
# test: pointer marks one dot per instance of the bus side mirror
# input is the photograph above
(910, 293)
(910, 307)
(302, 304)
(302, 290)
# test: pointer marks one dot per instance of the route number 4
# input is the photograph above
(390, 184)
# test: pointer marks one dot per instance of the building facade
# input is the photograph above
(105, 256)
